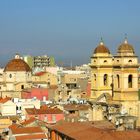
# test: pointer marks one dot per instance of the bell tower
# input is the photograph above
(126, 73)
(101, 71)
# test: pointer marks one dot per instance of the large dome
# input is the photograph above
(17, 64)
(125, 48)
(101, 48)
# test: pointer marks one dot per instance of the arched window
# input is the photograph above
(105, 80)
(130, 80)
(118, 81)
(130, 61)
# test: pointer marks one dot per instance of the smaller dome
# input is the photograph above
(125, 48)
(101, 48)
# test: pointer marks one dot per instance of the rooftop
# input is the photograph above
(23, 130)
(32, 137)
(34, 111)
(99, 130)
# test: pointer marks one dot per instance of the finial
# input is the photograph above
(101, 42)
(125, 40)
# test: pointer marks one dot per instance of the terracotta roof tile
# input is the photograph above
(28, 137)
(30, 120)
(4, 100)
(28, 130)
(34, 111)
(14, 126)
(17, 65)
(40, 73)
(89, 131)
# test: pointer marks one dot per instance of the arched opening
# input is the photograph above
(105, 80)
(118, 81)
(130, 80)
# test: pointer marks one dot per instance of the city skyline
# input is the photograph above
(67, 30)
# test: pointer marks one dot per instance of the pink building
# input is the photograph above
(49, 115)
(39, 93)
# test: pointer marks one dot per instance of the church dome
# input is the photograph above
(101, 48)
(17, 64)
(125, 48)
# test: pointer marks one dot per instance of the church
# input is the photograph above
(115, 77)
(16, 77)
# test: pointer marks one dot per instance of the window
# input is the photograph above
(94, 79)
(130, 61)
(68, 92)
(10, 75)
(22, 86)
(105, 80)
(105, 61)
(118, 81)
(46, 118)
(53, 118)
(130, 77)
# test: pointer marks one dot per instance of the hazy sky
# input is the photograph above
(69, 30)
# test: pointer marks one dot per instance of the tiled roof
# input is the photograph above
(14, 126)
(24, 130)
(101, 48)
(30, 120)
(34, 111)
(76, 107)
(90, 131)
(4, 100)
(31, 137)
(17, 65)
(40, 73)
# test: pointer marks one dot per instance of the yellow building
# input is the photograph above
(116, 76)
(101, 71)
(46, 77)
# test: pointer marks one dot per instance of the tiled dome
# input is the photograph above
(125, 48)
(17, 64)
(101, 48)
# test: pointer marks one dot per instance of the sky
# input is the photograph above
(69, 30)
